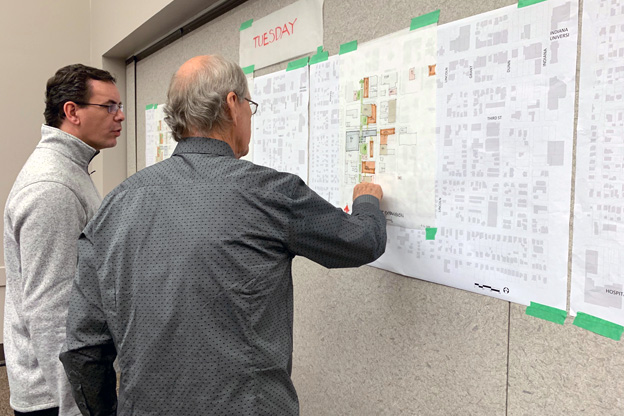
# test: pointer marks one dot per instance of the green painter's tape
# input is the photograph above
(348, 47)
(246, 25)
(599, 326)
(148, 107)
(151, 106)
(430, 233)
(249, 69)
(299, 63)
(425, 20)
(547, 313)
(319, 57)
(525, 3)
(319, 49)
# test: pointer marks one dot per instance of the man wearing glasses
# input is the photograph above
(50, 203)
(184, 273)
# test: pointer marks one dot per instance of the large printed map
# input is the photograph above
(598, 260)
(387, 124)
(505, 110)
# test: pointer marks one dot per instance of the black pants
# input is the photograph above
(45, 412)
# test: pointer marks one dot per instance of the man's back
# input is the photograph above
(192, 259)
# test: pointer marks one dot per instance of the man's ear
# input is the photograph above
(232, 101)
(70, 109)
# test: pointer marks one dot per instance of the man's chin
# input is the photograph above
(109, 143)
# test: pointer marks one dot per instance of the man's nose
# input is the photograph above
(120, 116)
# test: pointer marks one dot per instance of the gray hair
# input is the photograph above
(198, 101)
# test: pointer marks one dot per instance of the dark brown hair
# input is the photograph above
(70, 83)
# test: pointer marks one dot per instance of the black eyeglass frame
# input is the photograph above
(254, 109)
(109, 107)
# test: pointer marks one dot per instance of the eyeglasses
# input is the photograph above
(112, 108)
(253, 105)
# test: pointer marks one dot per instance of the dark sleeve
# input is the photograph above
(89, 352)
(327, 235)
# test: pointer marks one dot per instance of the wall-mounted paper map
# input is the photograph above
(280, 127)
(598, 249)
(505, 117)
(159, 143)
(387, 124)
(324, 130)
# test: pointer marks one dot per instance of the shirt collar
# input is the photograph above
(67, 144)
(203, 145)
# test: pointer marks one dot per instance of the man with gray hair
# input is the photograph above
(184, 274)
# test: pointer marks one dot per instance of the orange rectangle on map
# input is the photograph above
(383, 135)
(368, 167)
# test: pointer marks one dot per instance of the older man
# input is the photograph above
(50, 203)
(185, 272)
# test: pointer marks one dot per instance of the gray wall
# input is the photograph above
(370, 342)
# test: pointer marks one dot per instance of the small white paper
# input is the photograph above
(250, 86)
(159, 142)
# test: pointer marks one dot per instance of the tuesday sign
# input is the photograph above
(292, 31)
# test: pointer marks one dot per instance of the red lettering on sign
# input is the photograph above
(292, 25)
(274, 35)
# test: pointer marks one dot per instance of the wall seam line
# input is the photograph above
(508, 349)
(136, 128)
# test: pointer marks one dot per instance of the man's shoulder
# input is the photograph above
(264, 178)
(159, 174)
(36, 171)
(152, 175)
(40, 200)
(237, 173)
(43, 165)
(43, 175)
(35, 167)
(209, 170)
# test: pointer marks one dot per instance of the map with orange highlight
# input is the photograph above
(387, 124)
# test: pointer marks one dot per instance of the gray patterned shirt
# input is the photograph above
(185, 274)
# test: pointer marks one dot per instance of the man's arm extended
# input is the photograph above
(329, 236)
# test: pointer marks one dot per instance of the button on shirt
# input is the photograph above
(185, 273)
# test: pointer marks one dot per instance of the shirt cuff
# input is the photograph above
(366, 199)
